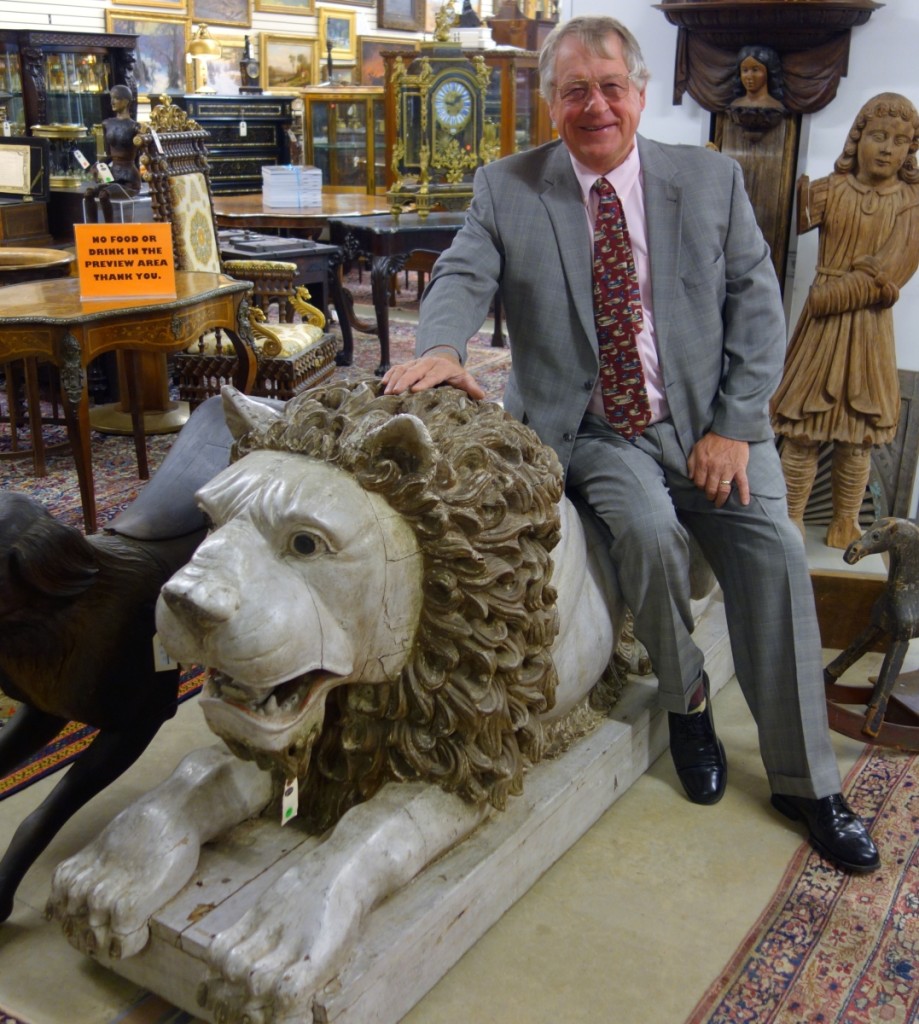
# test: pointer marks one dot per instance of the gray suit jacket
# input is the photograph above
(718, 314)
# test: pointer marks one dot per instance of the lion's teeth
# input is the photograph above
(270, 707)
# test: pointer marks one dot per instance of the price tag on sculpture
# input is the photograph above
(125, 261)
(289, 800)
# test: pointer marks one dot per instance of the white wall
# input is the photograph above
(882, 57)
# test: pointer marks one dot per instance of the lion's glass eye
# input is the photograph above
(304, 544)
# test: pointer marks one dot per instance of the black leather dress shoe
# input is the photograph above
(834, 830)
(698, 754)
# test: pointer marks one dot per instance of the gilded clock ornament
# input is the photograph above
(441, 126)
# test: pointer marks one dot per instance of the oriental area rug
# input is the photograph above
(833, 948)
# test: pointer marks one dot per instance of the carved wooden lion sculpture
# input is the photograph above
(395, 599)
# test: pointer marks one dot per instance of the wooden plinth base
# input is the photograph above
(413, 939)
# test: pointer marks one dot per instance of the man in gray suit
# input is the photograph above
(711, 346)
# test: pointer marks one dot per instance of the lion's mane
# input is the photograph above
(482, 499)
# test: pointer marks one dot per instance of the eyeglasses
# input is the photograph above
(576, 92)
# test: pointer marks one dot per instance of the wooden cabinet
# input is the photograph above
(344, 136)
(59, 85)
(65, 77)
(512, 101)
(247, 132)
(11, 86)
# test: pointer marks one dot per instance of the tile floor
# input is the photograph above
(628, 927)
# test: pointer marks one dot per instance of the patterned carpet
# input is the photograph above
(833, 948)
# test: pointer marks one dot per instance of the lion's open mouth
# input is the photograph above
(283, 704)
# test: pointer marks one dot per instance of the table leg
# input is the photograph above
(381, 271)
(131, 374)
(76, 415)
(33, 400)
(344, 310)
(244, 344)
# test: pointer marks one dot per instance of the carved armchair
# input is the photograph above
(292, 350)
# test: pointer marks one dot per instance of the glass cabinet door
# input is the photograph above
(344, 135)
(11, 91)
(75, 84)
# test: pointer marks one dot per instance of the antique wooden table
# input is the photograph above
(406, 242)
(48, 320)
(249, 211)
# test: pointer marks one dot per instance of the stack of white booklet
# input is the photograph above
(291, 186)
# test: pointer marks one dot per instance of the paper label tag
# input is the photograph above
(104, 172)
(156, 140)
(162, 662)
(243, 129)
(80, 159)
(289, 801)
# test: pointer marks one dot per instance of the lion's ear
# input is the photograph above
(243, 414)
(403, 440)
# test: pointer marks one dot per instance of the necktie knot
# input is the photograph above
(603, 188)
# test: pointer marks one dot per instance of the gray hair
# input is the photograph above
(592, 32)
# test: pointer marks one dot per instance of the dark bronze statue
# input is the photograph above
(119, 132)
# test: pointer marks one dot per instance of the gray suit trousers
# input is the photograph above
(641, 492)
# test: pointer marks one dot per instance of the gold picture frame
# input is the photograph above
(236, 13)
(288, 62)
(286, 6)
(403, 15)
(338, 28)
(162, 42)
(179, 6)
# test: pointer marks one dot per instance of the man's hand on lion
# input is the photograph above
(427, 372)
(717, 465)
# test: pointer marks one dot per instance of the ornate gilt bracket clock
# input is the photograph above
(442, 134)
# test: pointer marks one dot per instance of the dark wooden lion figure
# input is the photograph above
(77, 627)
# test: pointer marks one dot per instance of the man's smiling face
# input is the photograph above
(599, 133)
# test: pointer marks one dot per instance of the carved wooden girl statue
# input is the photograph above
(840, 383)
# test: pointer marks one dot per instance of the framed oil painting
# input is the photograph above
(160, 51)
(337, 27)
(285, 6)
(223, 71)
(221, 12)
(407, 15)
(288, 62)
(372, 70)
(178, 6)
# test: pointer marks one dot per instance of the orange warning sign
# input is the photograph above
(125, 261)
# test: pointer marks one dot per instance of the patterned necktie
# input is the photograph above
(618, 316)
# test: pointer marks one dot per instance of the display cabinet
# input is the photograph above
(11, 87)
(513, 108)
(65, 77)
(344, 136)
(58, 87)
(247, 132)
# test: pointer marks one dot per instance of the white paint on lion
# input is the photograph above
(314, 593)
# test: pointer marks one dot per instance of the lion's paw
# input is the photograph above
(100, 910)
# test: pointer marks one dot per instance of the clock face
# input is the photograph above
(252, 69)
(452, 105)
